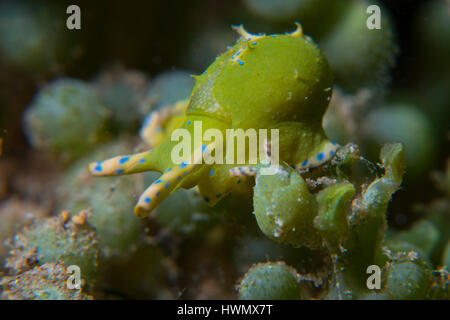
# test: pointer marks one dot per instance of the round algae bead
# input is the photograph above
(111, 201)
(270, 281)
(406, 124)
(408, 280)
(66, 117)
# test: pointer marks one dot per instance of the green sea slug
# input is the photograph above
(277, 81)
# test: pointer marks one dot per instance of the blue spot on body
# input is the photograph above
(331, 153)
(265, 186)
(143, 160)
(147, 120)
(254, 43)
(304, 163)
(119, 171)
(239, 181)
(147, 200)
(167, 184)
(183, 164)
(98, 167)
(320, 156)
(158, 181)
(211, 172)
(124, 159)
(170, 169)
(188, 123)
(241, 62)
(158, 193)
(333, 143)
(204, 147)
